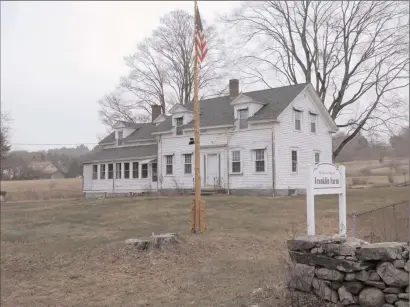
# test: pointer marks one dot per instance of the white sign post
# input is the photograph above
(326, 178)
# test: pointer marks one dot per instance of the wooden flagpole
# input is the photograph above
(197, 201)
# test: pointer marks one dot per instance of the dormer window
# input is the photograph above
(120, 136)
(179, 121)
(243, 115)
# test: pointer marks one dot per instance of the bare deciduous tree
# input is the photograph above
(4, 129)
(355, 54)
(161, 71)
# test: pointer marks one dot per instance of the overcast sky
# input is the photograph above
(58, 58)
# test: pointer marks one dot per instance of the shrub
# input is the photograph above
(360, 180)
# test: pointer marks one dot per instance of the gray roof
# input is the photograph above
(218, 111)
(121, 153)
(143, 132)
(108, 139)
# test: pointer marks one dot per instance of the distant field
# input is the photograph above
(42, 189)
(71, 252)
(359, 173)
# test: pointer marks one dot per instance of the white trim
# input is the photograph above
(265, 159)
(119, 160)
(262, 121)
(231, 161)
(211, 127)
(297, 160)
(294, 112)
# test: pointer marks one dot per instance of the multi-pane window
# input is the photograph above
(95, 172)
(313, 121)
(127, 170)
(168, 162)
(298, 119)
(144, 170)
(317, 157)
(243, 115)
(102, 171)
(134, 169)
(154, 168)
(260, 160)
(294, 161)
(110, 171)
(236, 161)
(188, 164)
(118, 171)
(179, 122)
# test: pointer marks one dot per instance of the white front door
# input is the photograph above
(212, 170)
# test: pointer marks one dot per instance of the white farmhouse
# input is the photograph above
(258, 142)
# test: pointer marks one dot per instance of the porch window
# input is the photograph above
(260, 160)
(188, 164)
(95, 172)
(294, 155)
(144, 170)
(118, 171)
(169, 166)
(154, 168)
(135, 170)
(110, 171)
(236, 161)
(102, 171)
(127, 170)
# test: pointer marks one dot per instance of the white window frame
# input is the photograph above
(177, 126)
(295, 112)
(297, 160)
(313, 119)
(142, 174)
(185, 163)
(166, 165)
(94, 173)
(103, 166)
(254, 156)
(120, 170)
(232, 161)
(239, 111)
(314, 157)
(112, 172)
(132, 170)
(120, 132)
(129, 170)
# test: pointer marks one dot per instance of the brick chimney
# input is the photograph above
(155, 111)
(233, 88)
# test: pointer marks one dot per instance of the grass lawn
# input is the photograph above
(72, 253)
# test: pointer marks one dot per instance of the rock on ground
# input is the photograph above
(391, 298)
(392, 276)
(371, 297)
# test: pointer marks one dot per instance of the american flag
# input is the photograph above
(200, 41)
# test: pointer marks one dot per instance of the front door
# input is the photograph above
(212, 170)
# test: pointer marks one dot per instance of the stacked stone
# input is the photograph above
(351, 272)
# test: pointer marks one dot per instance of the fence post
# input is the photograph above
(354, 225)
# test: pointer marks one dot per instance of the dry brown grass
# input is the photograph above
(72, 253)
(18, 190)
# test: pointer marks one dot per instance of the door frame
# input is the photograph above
(218, 168)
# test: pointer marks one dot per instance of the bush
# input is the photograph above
(390, 178)
(360, 180)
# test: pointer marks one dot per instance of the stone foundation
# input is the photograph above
(350, 272)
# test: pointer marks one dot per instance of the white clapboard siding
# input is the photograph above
(304, 141)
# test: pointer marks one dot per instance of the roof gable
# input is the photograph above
(243, 99)
(178, 109)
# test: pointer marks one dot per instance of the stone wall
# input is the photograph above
(350, 272)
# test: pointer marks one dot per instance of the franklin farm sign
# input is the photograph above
(326, 178)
